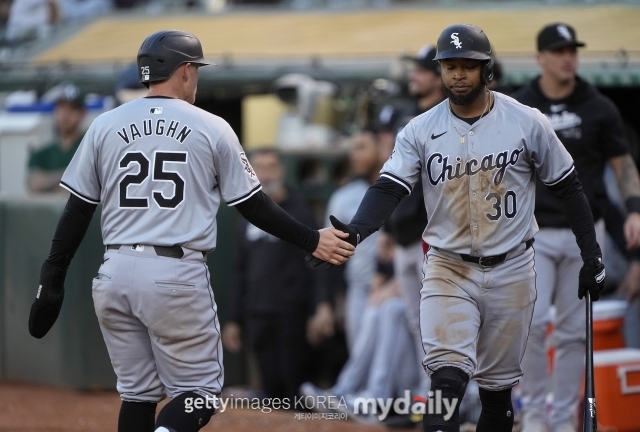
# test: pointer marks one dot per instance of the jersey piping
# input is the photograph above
(245, 196)
(562, 177)
(397, 179)
(78, 194)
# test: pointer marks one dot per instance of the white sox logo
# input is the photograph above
(440, 170)
(247, 166)
(564, 32)
(456, 41)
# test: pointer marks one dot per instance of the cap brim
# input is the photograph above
(423, 63)
(563, 44)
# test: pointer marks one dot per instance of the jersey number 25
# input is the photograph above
(160, 174)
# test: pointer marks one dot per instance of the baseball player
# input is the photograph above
(590, 127)
(478, 153)
(160, 168)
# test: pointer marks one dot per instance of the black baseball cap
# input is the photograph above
(425, 59)
(556, 36)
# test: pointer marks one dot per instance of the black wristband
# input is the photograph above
(632, 204)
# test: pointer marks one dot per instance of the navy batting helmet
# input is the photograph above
(162, 53)
(466, 41)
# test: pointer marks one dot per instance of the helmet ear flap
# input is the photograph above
(487, 71)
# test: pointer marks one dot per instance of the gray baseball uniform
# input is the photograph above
(479, 193)
(160, 167)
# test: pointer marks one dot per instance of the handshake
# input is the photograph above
(336, 244)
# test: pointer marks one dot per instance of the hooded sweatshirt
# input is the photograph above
(590, 127)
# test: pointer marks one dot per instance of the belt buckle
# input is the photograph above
(487, 261)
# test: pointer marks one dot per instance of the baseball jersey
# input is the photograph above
(479, 191)
(160, 167)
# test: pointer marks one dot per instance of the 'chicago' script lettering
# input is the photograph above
(440, 170)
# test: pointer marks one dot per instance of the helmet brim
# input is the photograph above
(202, 62)
(456, 53)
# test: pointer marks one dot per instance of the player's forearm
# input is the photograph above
(262, 212)
(628, 181)
(377, 206)
(578, 213)
(71, 229)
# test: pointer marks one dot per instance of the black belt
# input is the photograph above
(165, 251)
(490, 261)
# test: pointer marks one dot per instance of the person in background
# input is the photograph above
(406, 224)
(590, 127)
(47, 164)
(424, 81)
(365, 166)
(278, 301)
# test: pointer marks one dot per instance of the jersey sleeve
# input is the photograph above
(404, 164)
(612, 134)
(236, 178)
(552, 161)
(81, 177)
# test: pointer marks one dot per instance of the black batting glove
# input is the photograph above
(46, 306)
(591, 278)
(353, 239)
(354, 235)
(316, 262)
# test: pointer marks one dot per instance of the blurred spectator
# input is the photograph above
(498, 75)
(408, 221)
(5, 7)
(424, 81)
(30, 19)
(47, 164)
(277, 300)
(590, 127)
(381, 363)
(359, 270)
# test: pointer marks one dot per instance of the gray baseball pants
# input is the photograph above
(558, 264)
(477, 318)
(160, 323)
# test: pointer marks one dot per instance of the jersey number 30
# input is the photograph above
(160, 174)
(510, 205)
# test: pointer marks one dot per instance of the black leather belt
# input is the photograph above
(490, 261)
(165, 251)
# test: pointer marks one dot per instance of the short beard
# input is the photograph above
(467, 99)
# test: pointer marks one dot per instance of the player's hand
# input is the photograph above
(46, 306)
(332, 247)
(354, 235)
(632, 230)
(232, 337)
(630, 286)
(591, 278)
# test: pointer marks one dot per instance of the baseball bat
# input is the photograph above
(589, 423)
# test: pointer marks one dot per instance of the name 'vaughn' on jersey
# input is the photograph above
(480, 193)
(160, 167)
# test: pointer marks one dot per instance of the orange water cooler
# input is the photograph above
(617, 382)
(608, 322)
